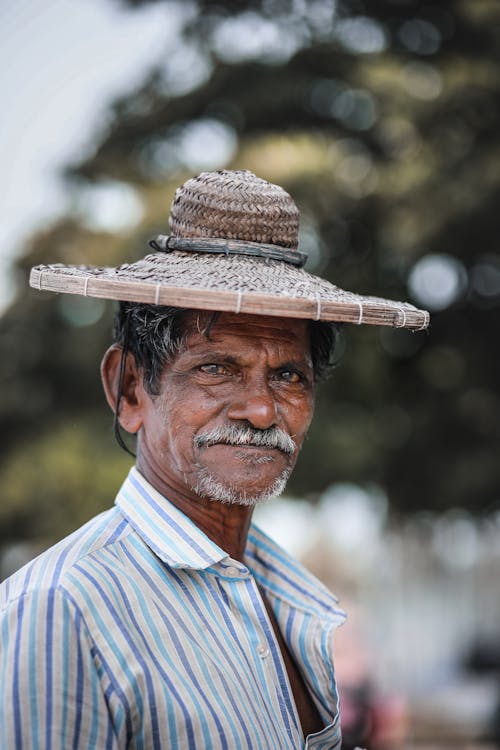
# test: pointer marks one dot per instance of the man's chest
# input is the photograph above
(193, 659)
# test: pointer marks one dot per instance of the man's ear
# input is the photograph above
(132, 395)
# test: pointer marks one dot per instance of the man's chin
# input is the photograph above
(211, 488)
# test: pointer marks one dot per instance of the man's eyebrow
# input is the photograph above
(294, 364)
(213, 355)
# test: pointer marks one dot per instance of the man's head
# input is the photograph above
(233, 248)
(221, 402)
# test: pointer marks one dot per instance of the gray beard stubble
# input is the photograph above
(213, 489)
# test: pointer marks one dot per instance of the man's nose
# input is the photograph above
(256, 405)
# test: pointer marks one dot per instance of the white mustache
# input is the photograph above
(273, 437)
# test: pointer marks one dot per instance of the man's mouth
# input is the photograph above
(253, 454)
(258, 454)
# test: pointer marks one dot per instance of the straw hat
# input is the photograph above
(232, 247)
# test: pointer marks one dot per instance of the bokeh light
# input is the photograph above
(420, 36)
(361, 35)
(437, 281)
(80, 312)
(249, 36)
(485, 279)
(455, 539)
(185, 68)
(355, 108)
(353, 516)
(422, 80)
(109, 206)
(207, 144)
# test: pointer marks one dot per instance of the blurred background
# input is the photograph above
(382, 119)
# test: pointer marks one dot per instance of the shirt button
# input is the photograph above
(262, 650)
(232, 572)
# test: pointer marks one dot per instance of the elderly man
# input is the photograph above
(171, 621)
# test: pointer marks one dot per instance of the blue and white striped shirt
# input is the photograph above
(138, 631)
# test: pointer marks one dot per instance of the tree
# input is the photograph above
(382, 120)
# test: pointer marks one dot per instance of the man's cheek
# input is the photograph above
(181, 439)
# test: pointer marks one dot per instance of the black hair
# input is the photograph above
(154, 334)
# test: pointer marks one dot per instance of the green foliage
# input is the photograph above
(383, 121)
(57, 480)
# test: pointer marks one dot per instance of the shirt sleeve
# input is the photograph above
(51, 694)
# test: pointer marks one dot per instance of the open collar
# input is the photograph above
(285, 579)
(176, 540)
(165, 529)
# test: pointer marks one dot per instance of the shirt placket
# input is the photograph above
(253, 623)
(317, 632)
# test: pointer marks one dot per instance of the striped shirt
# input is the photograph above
(138, 631)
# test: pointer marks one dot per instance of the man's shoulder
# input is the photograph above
(51, 569)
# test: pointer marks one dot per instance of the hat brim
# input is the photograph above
(228, 283)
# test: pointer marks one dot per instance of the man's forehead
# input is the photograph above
(204, 327)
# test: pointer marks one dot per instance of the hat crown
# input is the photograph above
(235, 205)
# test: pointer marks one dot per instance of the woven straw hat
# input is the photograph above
(233, 248)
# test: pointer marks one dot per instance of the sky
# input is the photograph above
(62, 62)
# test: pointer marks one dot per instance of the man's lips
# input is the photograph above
(254, 455)
(245, 447)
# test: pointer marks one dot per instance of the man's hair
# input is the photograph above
(154, 334)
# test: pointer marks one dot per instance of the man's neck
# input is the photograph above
(225, 524)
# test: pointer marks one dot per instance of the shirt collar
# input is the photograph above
(285, 579)
(165, 529)
(176, 540)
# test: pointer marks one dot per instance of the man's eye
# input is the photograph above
(213, 369)
(290, 376)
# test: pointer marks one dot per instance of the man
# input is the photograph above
(170, 621)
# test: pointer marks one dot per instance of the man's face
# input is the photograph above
(233, 409)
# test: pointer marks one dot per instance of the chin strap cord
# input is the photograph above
(116, 422)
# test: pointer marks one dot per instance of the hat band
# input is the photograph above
(167, 243)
